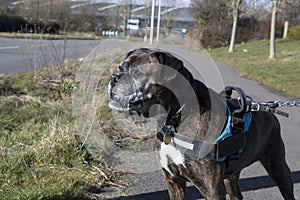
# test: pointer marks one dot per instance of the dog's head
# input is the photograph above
(142, 79)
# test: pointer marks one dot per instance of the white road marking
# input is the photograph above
(9, 47)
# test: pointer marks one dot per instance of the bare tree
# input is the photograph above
(235, 4)
(171, 4)
(291, 11)
(211, 12)
(275, 7)
(124, 12)
(62, 12)
(3, 7)
(200, 11)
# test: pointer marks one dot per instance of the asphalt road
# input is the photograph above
(255, 182)
(19, 55)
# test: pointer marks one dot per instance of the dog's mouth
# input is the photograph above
(123, 94)
(126, 103)
(117, 106)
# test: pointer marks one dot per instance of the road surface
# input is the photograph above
(19, 55)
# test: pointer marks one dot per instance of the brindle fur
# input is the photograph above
(264, 142)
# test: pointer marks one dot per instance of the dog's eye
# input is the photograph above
(123, 67)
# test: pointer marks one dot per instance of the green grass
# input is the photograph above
(282, 73)
(40, 155)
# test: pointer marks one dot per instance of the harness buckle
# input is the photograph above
(255, 106)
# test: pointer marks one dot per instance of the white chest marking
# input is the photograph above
(169, 151)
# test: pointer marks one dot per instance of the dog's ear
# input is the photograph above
(129, 53)
(137, 50)
(171, 63)
(168, 59)
(175, 64)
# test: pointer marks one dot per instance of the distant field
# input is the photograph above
(251, 59)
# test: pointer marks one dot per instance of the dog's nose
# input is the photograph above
(112, 83)
(115, 78)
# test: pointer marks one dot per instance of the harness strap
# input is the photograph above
(201, 149)
(214, 151)
(246, 104)
(194, 148)
(230, 145)
(231, 142)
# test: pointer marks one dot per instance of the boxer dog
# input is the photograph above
(139, 85)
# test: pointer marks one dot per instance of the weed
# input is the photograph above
(40, 157)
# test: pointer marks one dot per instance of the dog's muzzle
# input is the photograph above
(123, 94)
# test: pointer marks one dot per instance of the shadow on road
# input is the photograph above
(246, 184)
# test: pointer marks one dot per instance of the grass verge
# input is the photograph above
(74, 35)
(40, 156)
(251, 59)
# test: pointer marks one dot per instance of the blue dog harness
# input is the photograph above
(227, 132)
(228, 145)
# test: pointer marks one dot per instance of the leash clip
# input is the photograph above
(255, 106)
(166, 134)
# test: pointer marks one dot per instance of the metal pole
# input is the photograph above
(158, 20)
(117, 18)
(130, 7)
(152, 21)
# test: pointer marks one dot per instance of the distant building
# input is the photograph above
(115, 16)
(106, 16)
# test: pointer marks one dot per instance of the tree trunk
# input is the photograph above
(232, 41)
(286, 28)
(275, 7)
(235, 10)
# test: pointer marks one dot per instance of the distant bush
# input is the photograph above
(41, 27)
(214, 37)
(11, 23)
(294, 33)
(19, 24)
(247, 28)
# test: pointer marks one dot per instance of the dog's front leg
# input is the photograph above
(232, 187)
(210, 191)
(176, 187)
(207, 178)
